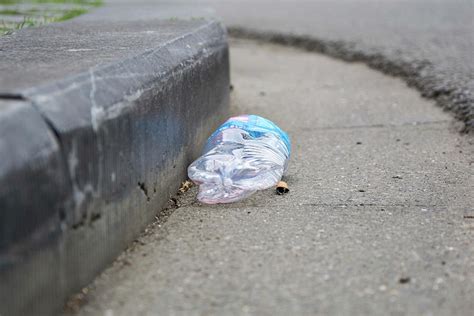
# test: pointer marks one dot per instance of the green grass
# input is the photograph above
(37, 14)
(80, 2)
(8, 27)
(10, 12)
(71, 14)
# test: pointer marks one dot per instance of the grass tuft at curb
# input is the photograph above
(40, 12)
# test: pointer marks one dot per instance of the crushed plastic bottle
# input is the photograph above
(245, 154)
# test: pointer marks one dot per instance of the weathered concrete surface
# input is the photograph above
(31, 159)
(429, 43)
(31, 174)
(65, 49)
(114, 111)
(379, 219)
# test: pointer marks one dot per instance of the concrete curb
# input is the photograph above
(92, 151)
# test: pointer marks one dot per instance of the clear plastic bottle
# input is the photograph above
(245, 154)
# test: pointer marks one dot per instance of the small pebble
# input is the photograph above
(404, 280)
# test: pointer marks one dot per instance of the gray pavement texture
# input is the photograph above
(379, 219)
(99, 120)
(39, 56)
(429, 43)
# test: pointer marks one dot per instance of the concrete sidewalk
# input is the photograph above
(379, 220)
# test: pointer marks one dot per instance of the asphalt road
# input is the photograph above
(379, 219)
(430, 43)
